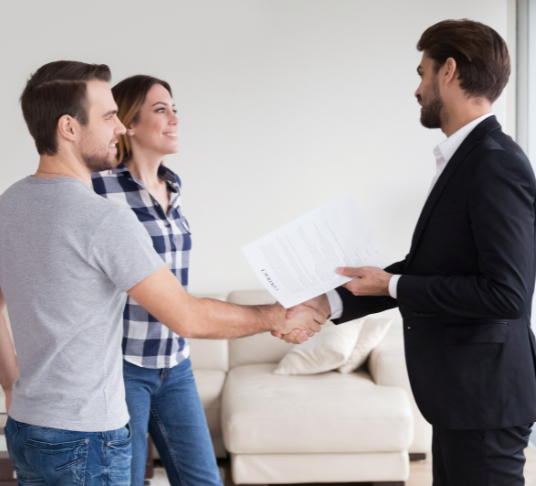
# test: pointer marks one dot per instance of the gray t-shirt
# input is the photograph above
(67, 256)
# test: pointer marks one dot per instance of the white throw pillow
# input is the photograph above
(373, 331)
(326, 351)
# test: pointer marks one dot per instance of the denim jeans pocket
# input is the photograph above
(120, 456)
(59, 463)
(124, 437)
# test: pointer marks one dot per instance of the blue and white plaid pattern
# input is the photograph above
(147, 342)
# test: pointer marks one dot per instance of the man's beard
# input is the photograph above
(98, 161)
(432, 113)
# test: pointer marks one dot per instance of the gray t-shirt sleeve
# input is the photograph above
(123, 250)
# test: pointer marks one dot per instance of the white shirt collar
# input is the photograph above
(448, 147)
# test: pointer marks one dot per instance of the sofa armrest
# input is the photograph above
(387, 366)
(387, 363)
(209, 354)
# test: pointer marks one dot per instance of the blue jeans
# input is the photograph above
(57, 457)
(166, 403)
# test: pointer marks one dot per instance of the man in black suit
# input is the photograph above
(465, 288)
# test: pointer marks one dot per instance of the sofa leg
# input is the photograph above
(417, 456)
(7, 471)
(149, 465)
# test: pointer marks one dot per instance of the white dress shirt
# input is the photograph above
(443, 153)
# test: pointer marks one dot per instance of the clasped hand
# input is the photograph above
(370, 281)
(318, 309)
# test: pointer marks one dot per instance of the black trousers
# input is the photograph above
(493, 457)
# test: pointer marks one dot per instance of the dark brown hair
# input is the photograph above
(130, 95)
(480, 53)
(56, 89)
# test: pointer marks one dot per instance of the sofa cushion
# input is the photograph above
(374, 330)
(326, 351)
(326, 413)
(257, 349)
(210, 385)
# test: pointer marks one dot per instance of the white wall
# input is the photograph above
(284, 104)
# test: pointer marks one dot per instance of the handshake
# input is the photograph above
(306, 319)
(303, 321)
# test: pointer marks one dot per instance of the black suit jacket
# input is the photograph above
(466, 289)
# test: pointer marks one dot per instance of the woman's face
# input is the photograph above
(157, 125)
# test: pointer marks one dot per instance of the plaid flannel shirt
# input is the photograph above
(147, 342)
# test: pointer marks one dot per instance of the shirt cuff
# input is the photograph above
(393, 282)
(335, 302)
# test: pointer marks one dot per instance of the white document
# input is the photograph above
(298, 261)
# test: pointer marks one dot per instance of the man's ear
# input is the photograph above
(68, 127)
(449, 70)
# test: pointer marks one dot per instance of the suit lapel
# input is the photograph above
(488, 125)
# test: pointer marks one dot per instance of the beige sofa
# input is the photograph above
(330, 427)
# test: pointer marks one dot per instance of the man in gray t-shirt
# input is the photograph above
(67, 257)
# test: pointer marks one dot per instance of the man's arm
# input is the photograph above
(122, 249)
(163, 296)
(356, 305)
(9, 369)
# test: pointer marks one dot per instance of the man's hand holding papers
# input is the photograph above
(297, 262)
(366, 280)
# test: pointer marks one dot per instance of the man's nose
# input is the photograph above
(120, 129)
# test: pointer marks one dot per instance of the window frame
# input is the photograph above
(526, 77)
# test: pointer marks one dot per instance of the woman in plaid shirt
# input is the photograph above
(161, 393)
